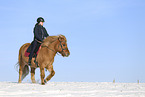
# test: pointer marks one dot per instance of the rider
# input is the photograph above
(40, 34)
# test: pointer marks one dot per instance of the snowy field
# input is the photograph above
(72, 89)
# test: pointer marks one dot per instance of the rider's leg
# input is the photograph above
(34, 44)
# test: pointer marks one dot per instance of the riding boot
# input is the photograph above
(29, 62)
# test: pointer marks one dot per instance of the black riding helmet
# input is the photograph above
(40, 19)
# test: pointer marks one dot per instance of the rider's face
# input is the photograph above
(41, 23)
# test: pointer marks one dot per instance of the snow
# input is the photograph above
(72, 89)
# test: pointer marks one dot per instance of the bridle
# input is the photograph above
(62, 49)
(60, 44)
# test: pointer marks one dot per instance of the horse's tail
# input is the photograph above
(16, 67)
(20, 56)
(22, 65)
(25, 71)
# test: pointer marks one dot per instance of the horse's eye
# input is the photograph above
(63, 44)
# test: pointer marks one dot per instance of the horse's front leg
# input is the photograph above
(33, 75)
(52, 73)
(42, 74)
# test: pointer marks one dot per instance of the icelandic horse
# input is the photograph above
(45, 58)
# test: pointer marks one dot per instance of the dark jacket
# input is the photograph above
(40, 33)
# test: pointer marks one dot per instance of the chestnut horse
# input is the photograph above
(45, 58)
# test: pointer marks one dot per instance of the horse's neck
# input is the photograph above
(53, 45)
(51, 48)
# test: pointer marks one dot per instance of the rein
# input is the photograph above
(48, 48)
(58, 47)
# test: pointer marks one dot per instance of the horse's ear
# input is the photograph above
(60, 38)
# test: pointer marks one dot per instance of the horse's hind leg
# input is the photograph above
(20, 75)
(21, 67)
(23, 72)
(33, 75)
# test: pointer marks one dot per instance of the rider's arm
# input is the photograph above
(38, 33)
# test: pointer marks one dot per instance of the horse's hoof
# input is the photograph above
(45, 81)
(19, 81)
(34, 81)
(42, 83)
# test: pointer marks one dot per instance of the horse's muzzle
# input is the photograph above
(66, 54)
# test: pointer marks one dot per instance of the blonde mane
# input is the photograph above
(49, 40)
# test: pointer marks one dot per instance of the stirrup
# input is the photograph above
(36, 63)
(29, 63)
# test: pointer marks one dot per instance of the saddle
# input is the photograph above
(27, 52)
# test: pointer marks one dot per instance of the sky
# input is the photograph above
(106, 38)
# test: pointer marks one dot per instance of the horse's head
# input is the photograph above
(62, 46)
